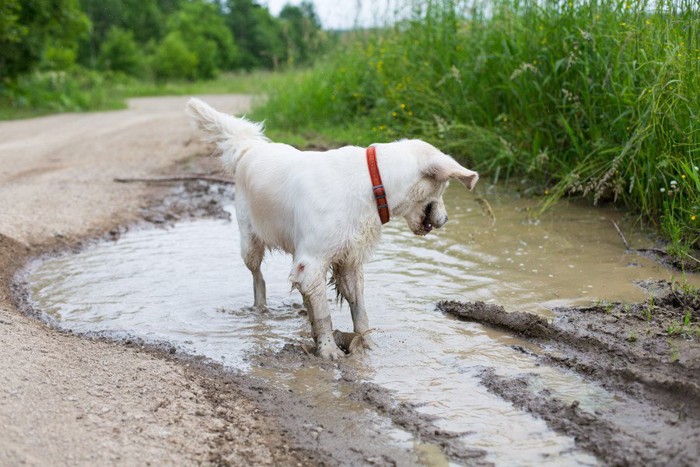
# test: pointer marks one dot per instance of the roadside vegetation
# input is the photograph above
(72, 55)
(595, 98)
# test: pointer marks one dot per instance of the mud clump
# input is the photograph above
(347, 440)
(524, 324)
(591, 432)
(646, 354)
(407, 417)
(191, 200)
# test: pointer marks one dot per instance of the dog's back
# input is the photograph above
(233, 136)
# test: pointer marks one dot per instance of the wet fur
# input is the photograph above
(319, 207)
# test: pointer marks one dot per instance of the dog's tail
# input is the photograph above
(233, 136)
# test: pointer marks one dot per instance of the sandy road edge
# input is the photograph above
(67, 400)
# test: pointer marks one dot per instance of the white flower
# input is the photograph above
(673, 182)
(663, 189)
(695, 168)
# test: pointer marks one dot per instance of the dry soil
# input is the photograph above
(66, 400)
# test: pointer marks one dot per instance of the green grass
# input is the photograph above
(43, 93)
(257, 82)
(49, 92)
(597, 98)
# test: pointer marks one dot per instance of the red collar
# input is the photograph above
(377, 187)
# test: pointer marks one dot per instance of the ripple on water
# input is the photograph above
(187, 285)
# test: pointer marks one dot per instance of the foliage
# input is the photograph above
(195, 38)
(144, 18)
(202, 27)
(56, 91)
(257, 82)
(173, 59)
(256, 31)
(301, 30)
(29, 27)
(48, 92)
(598, 98)
(120, 52)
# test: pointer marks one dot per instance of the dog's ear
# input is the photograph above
(443, 172)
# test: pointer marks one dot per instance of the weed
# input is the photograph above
(686, 318)
(598, 99)
(79, 90)
(648, 310)
(675, 354)
(675, 329)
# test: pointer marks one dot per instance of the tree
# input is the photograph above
(173, 59)
(120, 52)
(302, 31)
(257, 33)
(28, 28)
(201, 25)
(145, 18)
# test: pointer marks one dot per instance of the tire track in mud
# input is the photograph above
(625, 348)
(351, 438)
(312, 435)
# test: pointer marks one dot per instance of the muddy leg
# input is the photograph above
(310, 279)
(351, 284)
(310, 314)
(252, 251)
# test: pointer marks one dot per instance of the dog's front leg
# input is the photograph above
(310, 279)
(351, 285)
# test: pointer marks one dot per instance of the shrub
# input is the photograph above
(119, 52)
(596, 98)
(173, 59)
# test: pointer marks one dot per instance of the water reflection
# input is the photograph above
(187, 285)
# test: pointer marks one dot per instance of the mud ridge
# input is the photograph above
(591, 432)
(613, 343)
(372, 449)
(406, 416)
(646, 354)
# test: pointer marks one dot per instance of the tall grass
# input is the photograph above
(45, 92)
(599, 97)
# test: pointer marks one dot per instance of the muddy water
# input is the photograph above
(187, 286)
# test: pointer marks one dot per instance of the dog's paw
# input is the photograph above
(352, 342)
(366, 341)
(329, 351)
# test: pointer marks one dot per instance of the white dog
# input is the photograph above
(326, 209)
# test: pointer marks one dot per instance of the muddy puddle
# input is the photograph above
(187, 286)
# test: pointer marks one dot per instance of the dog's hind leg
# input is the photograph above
(252, 252)
(350, 282)
(310, 279)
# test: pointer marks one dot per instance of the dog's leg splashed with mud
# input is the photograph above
(326, 209)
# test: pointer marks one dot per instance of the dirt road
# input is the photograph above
(69, 400)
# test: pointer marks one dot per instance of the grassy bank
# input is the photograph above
(44, 93)
(594, 98)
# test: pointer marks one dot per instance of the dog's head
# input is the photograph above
(423, 207)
